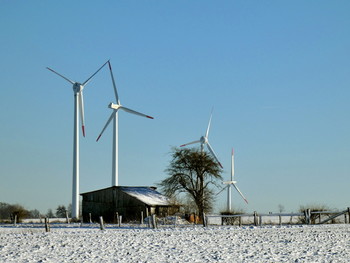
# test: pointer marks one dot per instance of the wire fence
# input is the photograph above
(256, 219)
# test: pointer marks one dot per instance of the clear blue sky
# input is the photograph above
(276, 73)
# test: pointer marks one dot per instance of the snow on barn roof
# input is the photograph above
(147, 195)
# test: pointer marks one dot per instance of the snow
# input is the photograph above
(146, 195)
(75, 243)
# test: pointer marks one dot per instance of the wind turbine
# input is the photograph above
(230, 184)
(114, 116)
(78, 109)
(204, 141)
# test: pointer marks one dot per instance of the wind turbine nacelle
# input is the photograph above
(114, 106)
(203, 140)
(230, 182)
(77, 87)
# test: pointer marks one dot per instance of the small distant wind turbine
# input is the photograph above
(116, 107)
(230, 184)
(78, 108)
(204, 141)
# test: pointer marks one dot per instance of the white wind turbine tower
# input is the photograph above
(230, 184)
(204, 141)
(116, 107)
(78, 108)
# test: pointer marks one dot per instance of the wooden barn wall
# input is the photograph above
(109, 201)
(99, 203)
(129, 206)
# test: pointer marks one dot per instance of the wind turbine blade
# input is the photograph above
(114, 86)
(70, 81)
(222, 189)
(81, 109)
(107, 123)
(213, 153)
(232, 165)
(207, 132)
(240, 193)
(135, 112)
(88, 80)
(198, 141)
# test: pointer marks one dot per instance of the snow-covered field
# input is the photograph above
(72, 243)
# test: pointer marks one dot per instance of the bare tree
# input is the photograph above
(50, 214)
(280, 208)
(194, 172)
(10, 211)
(61, 211)
(19, 211)
(4, 210)
(34, 213)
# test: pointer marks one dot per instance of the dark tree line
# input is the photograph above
(9, 211)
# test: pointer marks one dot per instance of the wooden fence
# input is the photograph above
(307, 217)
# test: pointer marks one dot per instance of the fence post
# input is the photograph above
(307, 214)
(47, 225)
(154, 221)
(280, 218)
(117, 216)
(345, 218)
(15, 220)
(67, 218)
(240, 221)
(307, 219)
(90, 220)
(149, 221)
(349, 215)
(102, 227)
(141, 217)
(260, 220)
(255, 218)
(120, 221)
(319, 218)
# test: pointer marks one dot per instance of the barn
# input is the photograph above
(127, 201)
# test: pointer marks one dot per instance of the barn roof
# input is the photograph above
(146, 195)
